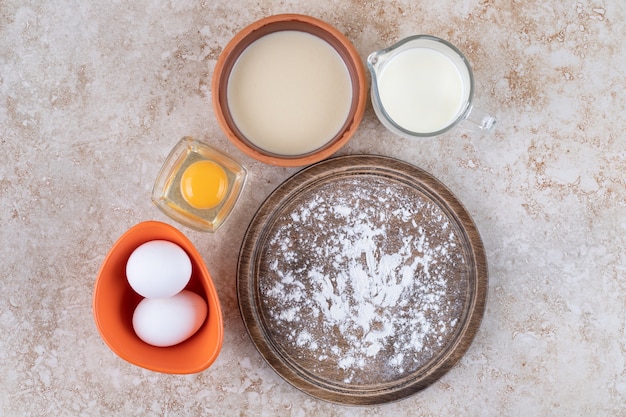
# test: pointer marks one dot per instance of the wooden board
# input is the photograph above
(362, 280)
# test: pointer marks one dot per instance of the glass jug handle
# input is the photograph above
(479, 120)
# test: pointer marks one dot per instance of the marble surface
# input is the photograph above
(93, 95)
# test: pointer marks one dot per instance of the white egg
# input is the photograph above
(168, 321)
(158, 269)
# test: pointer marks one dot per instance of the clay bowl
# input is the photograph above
(278, 23)
(114, 302)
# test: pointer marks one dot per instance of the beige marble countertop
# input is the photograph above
(93, 95)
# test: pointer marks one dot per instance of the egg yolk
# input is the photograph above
(204, 184)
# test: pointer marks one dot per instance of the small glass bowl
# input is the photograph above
(167, 196)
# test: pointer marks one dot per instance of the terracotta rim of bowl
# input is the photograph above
(302, 23)
(110, 300)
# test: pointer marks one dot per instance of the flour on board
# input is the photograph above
(363, 280)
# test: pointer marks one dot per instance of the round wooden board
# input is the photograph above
(362, 280)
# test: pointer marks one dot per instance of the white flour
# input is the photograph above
(358, 281)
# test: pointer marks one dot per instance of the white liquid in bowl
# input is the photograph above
(289, 93)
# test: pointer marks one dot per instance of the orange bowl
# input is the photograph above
(114, 302)
(300, 23)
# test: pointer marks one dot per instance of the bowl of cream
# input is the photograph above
(289, 90)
